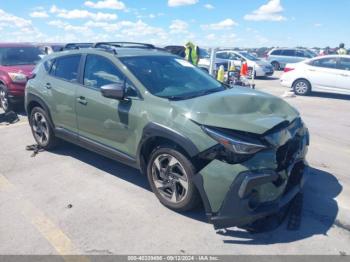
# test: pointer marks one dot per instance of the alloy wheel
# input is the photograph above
(170, 178)
(301, 87)
(40, 128)
(4, 100)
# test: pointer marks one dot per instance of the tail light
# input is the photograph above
(288, 69)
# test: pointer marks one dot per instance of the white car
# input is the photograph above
(326, 73)
(262, 68)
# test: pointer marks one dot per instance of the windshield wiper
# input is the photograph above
(198, 94)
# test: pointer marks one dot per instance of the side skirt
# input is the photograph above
(96, 147)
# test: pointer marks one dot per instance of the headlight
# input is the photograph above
(235, 145)
(18, 77)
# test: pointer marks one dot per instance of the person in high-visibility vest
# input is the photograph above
(221, 74)
(192, 53)
(342, 50)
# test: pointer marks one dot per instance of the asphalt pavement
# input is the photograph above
(72, 201)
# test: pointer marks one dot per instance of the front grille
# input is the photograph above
(286, 153)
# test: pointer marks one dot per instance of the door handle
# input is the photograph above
(82, 100)
(48, 86)
(312, 70)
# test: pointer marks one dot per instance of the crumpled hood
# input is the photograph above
(239, 109)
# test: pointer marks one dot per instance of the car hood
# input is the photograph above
(24, 69)
(239, 109)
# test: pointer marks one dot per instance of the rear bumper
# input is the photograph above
(241, 207)
(286, 82)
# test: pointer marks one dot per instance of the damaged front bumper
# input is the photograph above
(239, 194)
(242, 206)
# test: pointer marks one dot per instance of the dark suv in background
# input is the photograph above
(17, 61)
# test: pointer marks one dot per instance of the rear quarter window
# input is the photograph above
(288, 52)
(66, 67)
(48, 65)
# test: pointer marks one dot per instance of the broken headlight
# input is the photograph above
(236, 145)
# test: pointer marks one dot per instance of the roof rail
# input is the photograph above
(72, 46)
(124, 45)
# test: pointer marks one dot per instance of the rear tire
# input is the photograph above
(302, 87)
(5, 103)
(276, 66)
(170, 174)
(41, 128)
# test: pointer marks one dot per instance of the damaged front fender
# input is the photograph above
(238, 194)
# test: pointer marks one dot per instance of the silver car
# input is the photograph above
(279, 57)
(262, 68)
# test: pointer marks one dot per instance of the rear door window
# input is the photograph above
(326, 62)
(66, 68)
(344, 64)
(100, 71)
(288, 52)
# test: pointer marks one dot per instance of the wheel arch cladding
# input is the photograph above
(155, 134)
(35, 101)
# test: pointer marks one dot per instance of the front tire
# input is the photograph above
(42, 129)
(4, 99)
(301, 87)
(170, 175)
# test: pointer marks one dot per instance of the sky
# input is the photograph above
(208, 23)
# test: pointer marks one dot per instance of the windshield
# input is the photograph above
(171, 77)
(203, 53)
(249, 56)
(12, 56)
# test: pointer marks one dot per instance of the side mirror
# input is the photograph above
(115, 91)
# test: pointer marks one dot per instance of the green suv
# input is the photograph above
(238, 151)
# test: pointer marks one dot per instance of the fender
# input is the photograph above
(154, 130)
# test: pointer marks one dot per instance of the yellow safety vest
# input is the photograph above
(191, 55)
(342, 51)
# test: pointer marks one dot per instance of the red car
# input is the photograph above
(17, 61)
